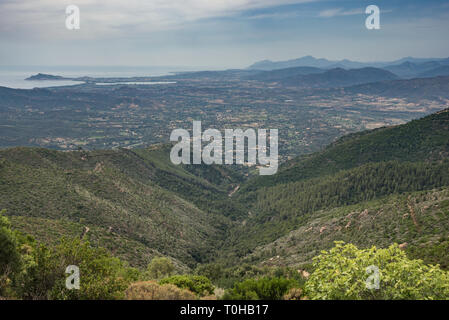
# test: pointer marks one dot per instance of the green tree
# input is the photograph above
(101, 275)
(10, 261)
(160, 267)
(199, 285)
(261, 289)
(341, 273)
(40, 272)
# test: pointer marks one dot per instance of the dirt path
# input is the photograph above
(233, 191)
(85, 231)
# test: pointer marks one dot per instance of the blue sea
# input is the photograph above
(14, 76)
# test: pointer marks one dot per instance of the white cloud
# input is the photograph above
(109, 16)
(329, 13)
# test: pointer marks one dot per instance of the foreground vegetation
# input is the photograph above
(30, 270)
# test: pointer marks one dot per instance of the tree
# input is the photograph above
(10, 261)
(261, 289)
(346, 272)
(101, 275)
(160, 267)
(199, 285)
(29, 270)
(39, 273)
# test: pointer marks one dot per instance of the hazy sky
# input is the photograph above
(217, 33)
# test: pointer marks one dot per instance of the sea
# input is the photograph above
(14, 76)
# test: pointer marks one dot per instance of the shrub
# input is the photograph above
(40, 273)
(294, 294)
(151, 290)
(101, 275)
(32, 271)
(260, 289)
(160, 267)
(341, 273)
(199, 285)
(10, 259)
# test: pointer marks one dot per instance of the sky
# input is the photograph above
(217, 33)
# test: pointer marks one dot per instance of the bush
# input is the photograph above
(101, 275)
(10, 258)
(199, 285)
(9, 253)
(151, 290)
(40, 273)
(160, 267)
(341, 273)
(32, 271)
(294, 294)
(260, 289)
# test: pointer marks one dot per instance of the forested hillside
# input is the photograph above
(425, 139)
(136, 203)
(356, 169)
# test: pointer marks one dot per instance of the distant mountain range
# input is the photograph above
(309, 61)
(310, 72)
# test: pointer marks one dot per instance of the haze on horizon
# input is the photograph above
(218, 33)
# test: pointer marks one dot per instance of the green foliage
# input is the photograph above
(372, 188)
(101, 275)
(199, 285)
(416, 220)
(341, 273)
(212, 271)
(260, 289)
(135, 202)
(432, 253)
(160, 267)
(9, 253)
(40, 273)
(33, 271)
(419, 140)
(227, 277)
(364, 183)
(284, 207)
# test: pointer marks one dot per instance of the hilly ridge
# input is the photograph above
(121, 195)
(311, 77)
(418, 140)
(310, 61)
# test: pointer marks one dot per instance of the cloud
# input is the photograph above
(275, 15)
(329, 13)
(108, 16)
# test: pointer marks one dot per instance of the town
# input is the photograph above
(213, 152)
